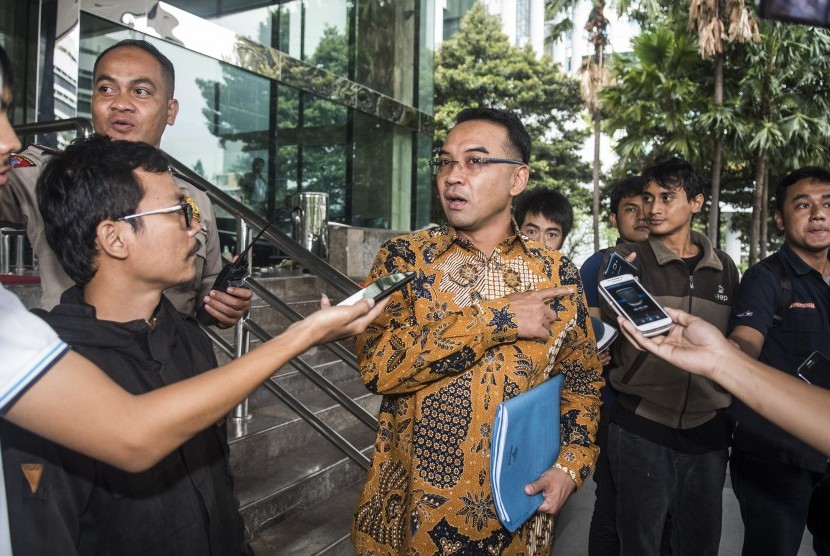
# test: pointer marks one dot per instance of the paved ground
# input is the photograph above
(576, 517)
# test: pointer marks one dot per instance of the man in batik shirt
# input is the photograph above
(489, 315)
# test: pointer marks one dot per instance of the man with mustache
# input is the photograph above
(132, 99)
(781, 315)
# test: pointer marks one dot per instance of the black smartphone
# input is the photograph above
(617, 266)
(816, 370)
(381, 287)
(232, 275)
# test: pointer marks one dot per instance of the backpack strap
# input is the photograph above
(776, 264)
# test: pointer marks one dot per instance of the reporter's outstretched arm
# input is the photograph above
(698, 347)
(77, 405)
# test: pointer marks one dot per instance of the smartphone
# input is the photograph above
(816, 370)
(631, 300)
(381, 287)
(617, 266)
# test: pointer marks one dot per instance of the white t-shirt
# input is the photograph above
(28, 348)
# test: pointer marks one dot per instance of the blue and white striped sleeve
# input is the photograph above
(28, 348)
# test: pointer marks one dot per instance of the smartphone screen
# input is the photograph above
(381, 287)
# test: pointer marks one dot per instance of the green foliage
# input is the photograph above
(479, 67)
(775, 103)
(661, 88)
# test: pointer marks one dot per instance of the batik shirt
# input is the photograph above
(444, 353)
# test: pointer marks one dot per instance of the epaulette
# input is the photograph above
(20, 160)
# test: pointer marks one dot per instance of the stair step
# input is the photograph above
(275, 429)
(294, 481)
(297, 383)
(322, 529)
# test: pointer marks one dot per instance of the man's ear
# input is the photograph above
(612, 218)
(697, 203)
(172, 111)
(110, 239)
(779, 220)
(520, 178)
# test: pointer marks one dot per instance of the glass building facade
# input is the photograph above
(276, 98)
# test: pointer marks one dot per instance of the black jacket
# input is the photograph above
(182, 505)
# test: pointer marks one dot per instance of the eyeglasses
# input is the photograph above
(472, 166)
(187, 206)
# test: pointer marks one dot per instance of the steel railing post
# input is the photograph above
(242, 342)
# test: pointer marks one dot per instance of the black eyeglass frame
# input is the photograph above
(438, 164)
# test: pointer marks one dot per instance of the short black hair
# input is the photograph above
(815, 173)
(673, 173)
(548, 203)
(91, 181)
(518, 138)
(6, 73)
(168, 72)
(623, 189)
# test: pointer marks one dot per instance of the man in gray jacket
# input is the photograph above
(669, 432)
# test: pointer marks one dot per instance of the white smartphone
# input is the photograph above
(381, 287)
(630, 299)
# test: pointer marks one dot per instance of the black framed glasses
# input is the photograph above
(471, 166)
(187, 206)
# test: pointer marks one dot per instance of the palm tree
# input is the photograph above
(784, 92)
(705, 17)
(593, 78)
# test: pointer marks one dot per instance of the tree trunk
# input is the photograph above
(597, 131)
(765, 217)
(717, 158)
(598, 52)
(757, 201)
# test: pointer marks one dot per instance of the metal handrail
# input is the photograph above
(309, 417)
(81, 125)
(284, 242)
(322, 382)
(290, 248)
(285, 309)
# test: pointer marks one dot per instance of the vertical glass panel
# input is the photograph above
(381, 194)
(326, 36)
(312, 136)
(386, 52)
(426, 58)
(422, 199)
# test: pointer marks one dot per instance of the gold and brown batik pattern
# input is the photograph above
(444, 354)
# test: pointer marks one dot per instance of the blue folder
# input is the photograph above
(526, 443)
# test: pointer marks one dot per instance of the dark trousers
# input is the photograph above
(602, 535)
(818, 516)
(653, 481)
(774, 498)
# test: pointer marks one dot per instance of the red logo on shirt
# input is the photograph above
(20, 161)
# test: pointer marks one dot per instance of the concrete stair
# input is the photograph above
(295, 489)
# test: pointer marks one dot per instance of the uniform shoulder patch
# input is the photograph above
(20, 161)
